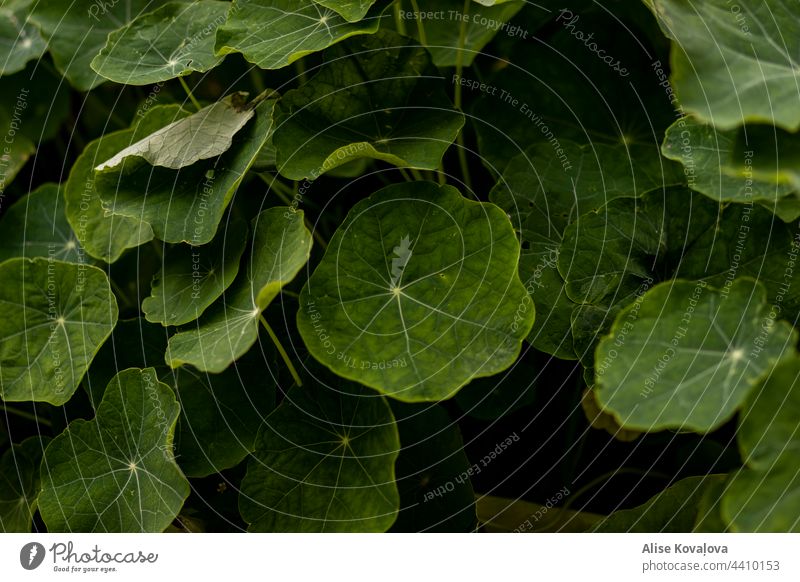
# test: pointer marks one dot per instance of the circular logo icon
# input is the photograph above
(31, 555)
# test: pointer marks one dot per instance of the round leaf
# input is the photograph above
(417, 294)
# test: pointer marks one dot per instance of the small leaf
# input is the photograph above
(76, 30)
(192, 278)
(324, 462)
(172, 41)
(20, 41)
(281, 246)
(20, 484)
(116, 473)
(417, 294)
(689, 355)
(185, 205)
(275, 33)
(200, 136)
(54, 316)
(377, 97)
(35, 226)
(727, 66)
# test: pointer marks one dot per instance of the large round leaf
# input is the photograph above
(281, 246)
(35, 226)
(116, 473)
(689, 355)
(418, 293)
(54, 316)
(275, 33)
(169, 42)
(324, 462)
(377, 97)
(732, 66)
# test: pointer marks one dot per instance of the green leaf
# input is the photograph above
(20, 484)
(76, 30)
(33, 104)
(324, 462)
(275, 33)
(192, 278)
(350, 10)
(53, 318)
(443, 35)
(20, 41)
(376, 97)
(727, 66)
(764, 500)
(432, 473)
(116, 473)
(281, 246)
(13, 159)
(712, 168)
(185, 205)
(35, 226)
(544, 190)
(221, 414)
(107, 236)
(674, 510)
(172, 41)
(200, 136)
(502, 515)
(689, 355)
(768, 422)
(417, 294)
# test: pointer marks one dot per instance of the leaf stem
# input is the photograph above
(417, 175)
(281, 351)
(406, 175)
(190, 94)
(462, 152)
(285, 195)
(398, 17)
(300, 69)
(420, 27)
(26, 415)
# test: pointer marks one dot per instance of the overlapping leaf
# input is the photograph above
(377, 97)
(20, 41)
(53, 318)
(418, 293)
(281, 246)
(117, 473)
(172, 41)
(324, 462)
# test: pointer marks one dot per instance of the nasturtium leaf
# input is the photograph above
(417, 294)
(730, 67)
(350, 10)
(192, 278)
(768, 422)
(674, 510)
(456, 36)
(433, 472)
(53, 318)
(200, 136)
(709, 507)
(76, 30)
(106, 236)
(275, 33)
(185, 205)
(602, 420)
(764, 500)
(712, 167)
(377, 97)
(543, 191)
(35, 226)
(690, 357)
(171, 41)
(221, 413)
(117, 472)
(546, 92)
(19, 484)
(280, 247)
(13, 159)
(324, 462)
(20, 41)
